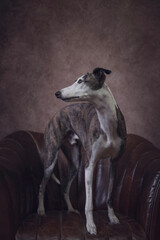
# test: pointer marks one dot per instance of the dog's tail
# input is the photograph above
(55, 179)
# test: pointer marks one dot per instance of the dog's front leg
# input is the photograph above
(90, 225)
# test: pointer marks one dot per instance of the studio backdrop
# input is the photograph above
(46, 45)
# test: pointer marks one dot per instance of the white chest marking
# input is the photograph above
(104, 148)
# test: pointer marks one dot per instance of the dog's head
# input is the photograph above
(85, 87)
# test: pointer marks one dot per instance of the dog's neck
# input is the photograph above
(105, 106)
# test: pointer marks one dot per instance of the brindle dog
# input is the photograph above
(100, 127)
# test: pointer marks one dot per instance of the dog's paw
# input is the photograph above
(112, 217)
(41, 211)
(91, 228)
(114, 220)
(74, 211)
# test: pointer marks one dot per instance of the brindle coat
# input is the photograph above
(82, 120)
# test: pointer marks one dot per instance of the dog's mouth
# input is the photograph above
(66, 99)
(69, 99)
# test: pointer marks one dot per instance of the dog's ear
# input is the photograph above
(97, 71)
(99, 74)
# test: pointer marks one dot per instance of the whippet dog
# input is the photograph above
(100, 127)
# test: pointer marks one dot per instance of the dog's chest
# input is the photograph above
(104, 147)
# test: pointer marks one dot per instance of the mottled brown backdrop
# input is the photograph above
(46, 44)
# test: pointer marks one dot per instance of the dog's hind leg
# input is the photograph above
(73, 163)
(111, 214)
(47, 174)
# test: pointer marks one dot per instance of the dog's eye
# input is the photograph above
(80, 81)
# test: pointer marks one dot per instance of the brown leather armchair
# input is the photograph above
(136, 193)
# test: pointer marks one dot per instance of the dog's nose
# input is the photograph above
(58, 94)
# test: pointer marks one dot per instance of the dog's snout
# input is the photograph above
(58, 94)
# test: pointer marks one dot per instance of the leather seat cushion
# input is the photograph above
(58, 225)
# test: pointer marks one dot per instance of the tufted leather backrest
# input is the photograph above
(136, 190)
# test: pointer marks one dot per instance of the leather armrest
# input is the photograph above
(20, 175)
(6, 219)
(149, 203)
(137, 190)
